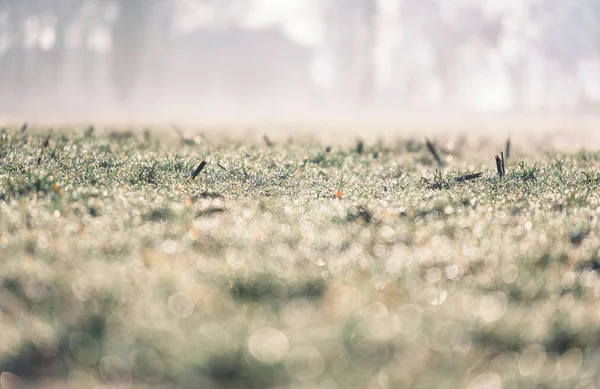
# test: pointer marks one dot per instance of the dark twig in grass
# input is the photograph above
(503, 165)
(44, 146)
(267, 141)
(468, 177)
(121, 135)
(89, 131)
(507, 148)
(365, 214)
(222, 167)
(210, 211)
(24, 127)
(210, 195)
(500, 165)
(359, 213)
(198, 169)
(360, 146)
(47, 141)
(433, 152)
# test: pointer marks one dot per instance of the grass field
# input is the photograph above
(295, 264)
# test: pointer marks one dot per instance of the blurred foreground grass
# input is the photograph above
(295, 265)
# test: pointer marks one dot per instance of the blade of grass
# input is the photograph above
(433, 152)
(499, 166)
(46, 142)
(198, 169)
(267, 141)
(468, 177)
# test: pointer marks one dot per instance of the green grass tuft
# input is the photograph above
(294, 264)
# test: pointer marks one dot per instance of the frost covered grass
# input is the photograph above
(296, 264)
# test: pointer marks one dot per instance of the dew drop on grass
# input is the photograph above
(590, 279)
(568, 280)
(305, 363)
(486, 381)
(268, 345)
(115, 372)
(81, 288)
(10, 341)
(169, 246)
(510, 274)
(9, 381)
(532, 360)
(45, 339)
(493, 307)
(181, 305)
(147, 365)
(438, 296)
(346, 299)
(569, 364)
(452, 271)
(80, 379)
(297, 313)
(585, 384)
(393, 265)
(84, 348)
(387, 233)
(380, 251)
(446, 336)
(234, 258)
(434, 275)
(384, 328)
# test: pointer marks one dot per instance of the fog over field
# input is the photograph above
(270, 194)
(298, 61)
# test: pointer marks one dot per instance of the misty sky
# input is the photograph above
(301, 21)
(482, 70)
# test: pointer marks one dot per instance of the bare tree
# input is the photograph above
(130, 33)
(369, 11)
(229, 12)
(13, 62)
(351, 35)
(570, 32)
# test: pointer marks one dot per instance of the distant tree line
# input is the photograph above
(44, 42)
